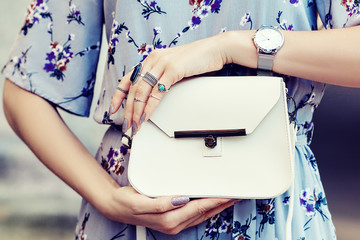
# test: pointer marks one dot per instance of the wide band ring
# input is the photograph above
(122, 90)
(150, 79)
(139, 100)
(162, 88)
(135, 74)
(153, 96)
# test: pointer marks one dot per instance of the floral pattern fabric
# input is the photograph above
(56, 56)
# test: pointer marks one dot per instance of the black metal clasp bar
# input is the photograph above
(205, 133)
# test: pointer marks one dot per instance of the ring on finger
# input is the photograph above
(153, 96)
(162, 88)
(122, 90)
(136, 73)
(150, 79)
(139, 100)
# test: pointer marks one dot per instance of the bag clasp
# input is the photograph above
(210, 141)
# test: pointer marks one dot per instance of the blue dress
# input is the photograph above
(56, 57)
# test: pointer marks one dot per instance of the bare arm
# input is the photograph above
(328, 56)
(39, 125)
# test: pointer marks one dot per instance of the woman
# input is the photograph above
(56, 55)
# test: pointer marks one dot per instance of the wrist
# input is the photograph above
(239, 48)
(105, 201)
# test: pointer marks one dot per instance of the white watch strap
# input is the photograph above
(265, 61)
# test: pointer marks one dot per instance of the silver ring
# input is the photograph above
(139, 100)
(155, 97)
(135, 74)
(150, 79)
(162, 88)
(122, 90)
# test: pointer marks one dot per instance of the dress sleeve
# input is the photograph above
(56, 52)
(339, 13)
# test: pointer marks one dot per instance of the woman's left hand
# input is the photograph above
(168, 66)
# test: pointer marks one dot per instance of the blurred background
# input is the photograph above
(34, 204)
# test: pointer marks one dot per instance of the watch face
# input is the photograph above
(268, 39)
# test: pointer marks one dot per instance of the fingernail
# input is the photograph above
(142, 118)
(177, 201)
(111, 109)
(125, 125)
(134, 128)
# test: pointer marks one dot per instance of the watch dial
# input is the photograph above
(268, 39)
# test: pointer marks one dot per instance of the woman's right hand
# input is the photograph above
(169, 215)
(65, 155)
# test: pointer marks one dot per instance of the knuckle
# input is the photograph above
(135, 210)
(168, 226)
(174, 73)
(151, 105)
(164, 60)
(171, 67)
(160, 207)
(201, 210)
(172, 231)
(207, 216)
(155, 53)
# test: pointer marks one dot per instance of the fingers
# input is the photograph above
(121, 93)
(130, 86)
(145, 205)
(209, 214)
(169, 215)
(200, 207)
(154, 77)
(193, 213)
(166, 79)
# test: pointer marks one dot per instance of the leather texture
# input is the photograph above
(258, 165)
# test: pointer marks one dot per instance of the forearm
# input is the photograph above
(329, 56)
(39, 125)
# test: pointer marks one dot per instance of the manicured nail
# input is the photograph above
(125, 125)
(111, 109)
(142, 118)
(134, 128)
(177, 201)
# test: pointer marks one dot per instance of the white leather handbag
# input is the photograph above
(216, 137)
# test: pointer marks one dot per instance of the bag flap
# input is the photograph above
(217, 103)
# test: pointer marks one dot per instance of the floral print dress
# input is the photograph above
(56, 57)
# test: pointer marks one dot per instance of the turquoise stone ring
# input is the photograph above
(162, 88)
(135, 74)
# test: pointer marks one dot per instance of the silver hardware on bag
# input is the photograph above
(126, 138)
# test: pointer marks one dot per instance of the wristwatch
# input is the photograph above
(268, 40)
